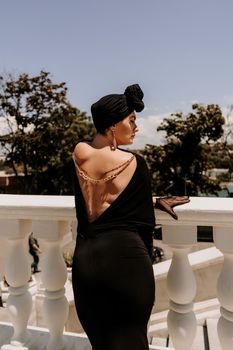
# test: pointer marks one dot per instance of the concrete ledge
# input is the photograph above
(38, 339)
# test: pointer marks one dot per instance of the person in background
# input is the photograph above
(112, 274)
(34, 250)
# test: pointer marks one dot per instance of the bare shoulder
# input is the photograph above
(87, 156)
(82, 152)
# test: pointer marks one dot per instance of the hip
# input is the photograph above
(126, 242)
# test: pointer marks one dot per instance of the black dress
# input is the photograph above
(112, 275)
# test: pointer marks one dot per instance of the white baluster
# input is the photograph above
(18, 272)
(74, 226)
(223, 238)
(54, 276)
(181, 285)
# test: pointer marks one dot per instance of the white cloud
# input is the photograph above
(3, 126)
(227, 100)
(7, 127)
(147, 126)
(228, 127)
(148, 131)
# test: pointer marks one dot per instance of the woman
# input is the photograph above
(113, 278)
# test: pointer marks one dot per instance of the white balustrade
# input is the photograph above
(54, 275)
(223, 237)
(181, 286)
(17, 274)
(50, 218)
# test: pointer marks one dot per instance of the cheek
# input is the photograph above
(127, 130)
(123, 135)
(124, 130)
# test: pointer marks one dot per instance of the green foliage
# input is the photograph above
(42, 130)
(219, 155)
(179, 166)
(68, 257)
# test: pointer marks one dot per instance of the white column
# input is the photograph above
(223, 237)
(54, 276)
(17, 273)
(74, 226)
(181, 285)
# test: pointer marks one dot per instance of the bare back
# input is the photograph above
(103, 174)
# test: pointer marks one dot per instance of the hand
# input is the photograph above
(168, 203)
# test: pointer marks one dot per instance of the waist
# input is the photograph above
(92, 230)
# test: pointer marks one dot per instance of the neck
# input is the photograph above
(102, 141)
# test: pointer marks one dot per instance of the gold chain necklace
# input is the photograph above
(120, 168)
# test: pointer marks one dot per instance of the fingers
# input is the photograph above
(179, 203)
(174, 215)
(168, 203)
(166, 206)
(184, 199)
(175, 198)
(174, 201)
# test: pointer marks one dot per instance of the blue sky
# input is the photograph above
(179, 51)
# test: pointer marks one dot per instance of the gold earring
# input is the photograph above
(114, 143)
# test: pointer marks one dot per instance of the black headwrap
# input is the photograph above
(113, 108)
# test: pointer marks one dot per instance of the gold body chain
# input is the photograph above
(118, 170)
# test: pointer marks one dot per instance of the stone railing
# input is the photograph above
(181, 236)
(50, 218)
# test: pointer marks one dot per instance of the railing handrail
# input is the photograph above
(50, 218)
(201, 210)
(37, 207)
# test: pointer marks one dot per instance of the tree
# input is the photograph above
(179, 166)
(42, 128)
(226, 144)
